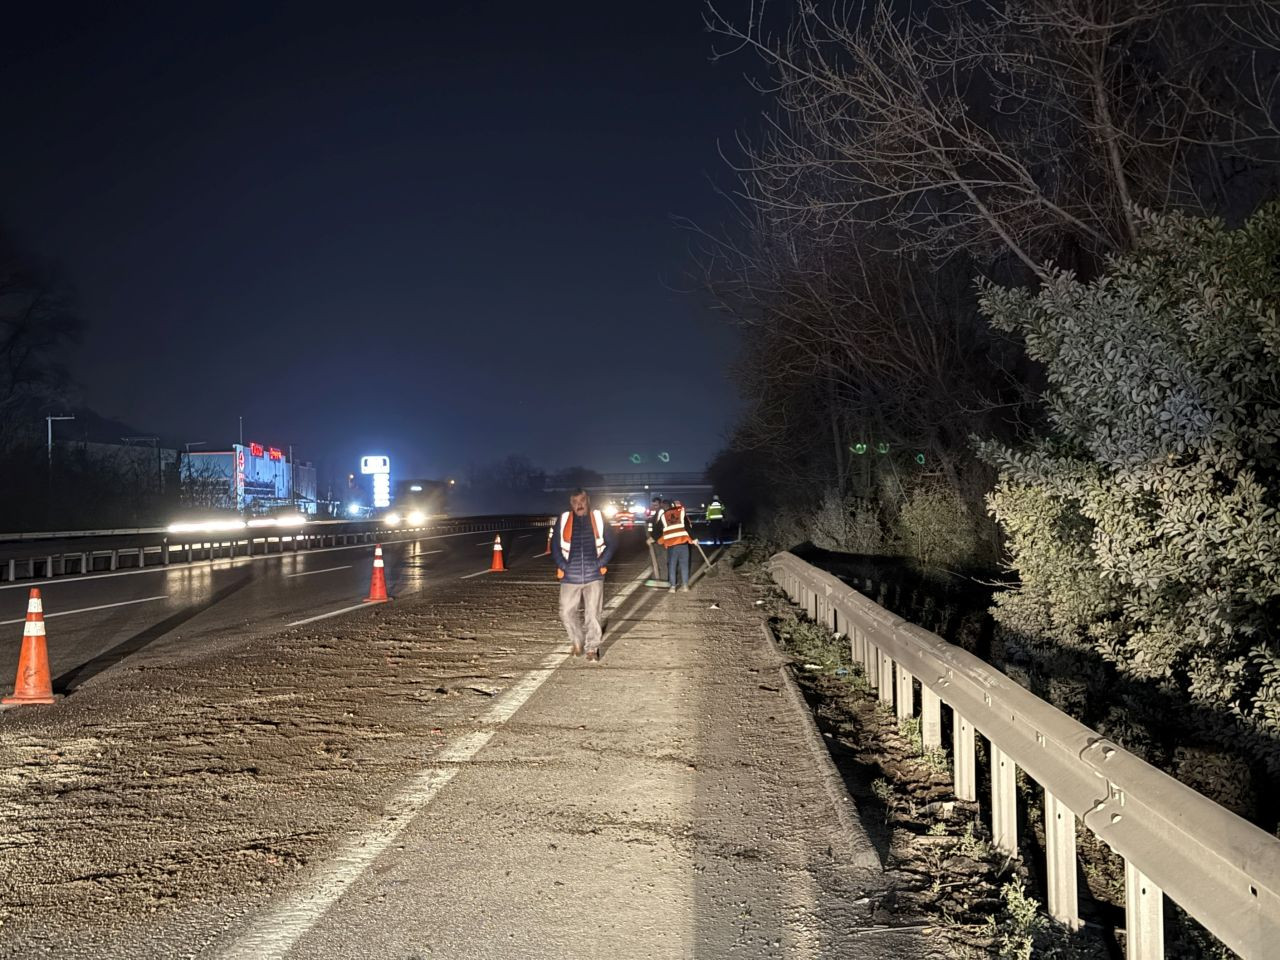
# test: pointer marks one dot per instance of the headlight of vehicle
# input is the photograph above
(392, 519)
(417, 518)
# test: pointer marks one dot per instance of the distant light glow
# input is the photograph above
(207, 526)
(392, 519)
(415, 487)
(611, 511)
(417, 518)
(375, 464)
(354, 509)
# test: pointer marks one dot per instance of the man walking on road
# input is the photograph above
(715, 517)
(675, 537)
(583, 546)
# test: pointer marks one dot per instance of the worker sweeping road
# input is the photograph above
(675, 537)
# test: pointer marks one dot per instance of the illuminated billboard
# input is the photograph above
(379, 467)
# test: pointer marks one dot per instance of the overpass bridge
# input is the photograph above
(637, 484)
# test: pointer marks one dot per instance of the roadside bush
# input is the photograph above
(1143, 530)
(937, 527)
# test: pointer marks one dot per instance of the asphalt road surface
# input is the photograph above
(97, 621)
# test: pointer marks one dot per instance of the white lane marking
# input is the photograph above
(101, 606)
(485, 543)
(531, 583)
(478, 573)
(276, 932)
(225, 563)
(307, 573)
(332, 613)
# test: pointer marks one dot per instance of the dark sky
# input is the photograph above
(438, 229)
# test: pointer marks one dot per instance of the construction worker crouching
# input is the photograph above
(674, 535)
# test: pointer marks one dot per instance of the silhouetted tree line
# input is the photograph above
(989, 318)
(39, 324)
(515, 484)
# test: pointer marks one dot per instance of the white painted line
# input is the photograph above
(276, 932)
(307, 573)
(532, 583)
(485, 543)
(102, 606)
(333, 613)
(478, 573)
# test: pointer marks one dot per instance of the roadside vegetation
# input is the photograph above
(1007, 278)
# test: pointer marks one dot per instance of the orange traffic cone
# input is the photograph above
(378, 585)
(497, 563)
(550, 532)
(33, 684)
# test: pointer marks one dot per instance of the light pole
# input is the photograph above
(49, 448)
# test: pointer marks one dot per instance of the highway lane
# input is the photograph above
(101, 620)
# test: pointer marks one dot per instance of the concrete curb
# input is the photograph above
(858, 849)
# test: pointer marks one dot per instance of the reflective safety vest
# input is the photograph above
(715, 510)
(566, 531)
(674, 529)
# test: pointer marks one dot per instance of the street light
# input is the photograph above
(49, 422)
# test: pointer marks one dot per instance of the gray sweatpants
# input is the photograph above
(584, 627)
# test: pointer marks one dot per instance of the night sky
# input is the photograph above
(439, 230)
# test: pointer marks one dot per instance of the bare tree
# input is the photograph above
(1026, 127)
(37, 325)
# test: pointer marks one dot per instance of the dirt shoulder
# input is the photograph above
(197, 782)
(171, 799)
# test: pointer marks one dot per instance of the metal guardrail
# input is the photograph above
(1221, 869)
(78, 552)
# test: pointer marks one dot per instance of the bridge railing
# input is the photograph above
(1221, 869)
(50, 554)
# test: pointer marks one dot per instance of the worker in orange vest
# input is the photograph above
(674, 535)
(583, 544)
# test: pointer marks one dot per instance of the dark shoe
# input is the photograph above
(593, 656)
(576, 651)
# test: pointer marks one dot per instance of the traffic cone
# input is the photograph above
(550, 532)
(33, 684)
(378, 585)
(497, 563)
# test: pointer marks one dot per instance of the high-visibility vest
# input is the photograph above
(566, 531)
(715, 511)
(674, 531)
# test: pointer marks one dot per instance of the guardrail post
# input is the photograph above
(13, 570)
(1060, 862)
(886, 678)
(906, 694)
(84, 563)
(48, 566)
(188, 545)
(930, 719)
(964, 771)
(164, 554)
(1143, 916)
(873, 663)
(115, 559)
(1004, 802)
